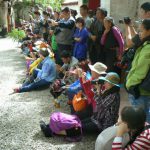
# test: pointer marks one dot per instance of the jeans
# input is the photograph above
(143, 101)
(34, 85)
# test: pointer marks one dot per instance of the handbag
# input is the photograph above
(79, 101)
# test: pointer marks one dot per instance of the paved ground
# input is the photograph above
(20, 113)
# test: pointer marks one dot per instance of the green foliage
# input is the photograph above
(17, 34)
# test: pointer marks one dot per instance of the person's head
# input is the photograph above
(56, 15)
(80, 22)
(28, 31)
(101, 13)
(66, 13)
(45, 14)
(110, 80)
(49, 9)
(73, 13)
(37, 14)
(108, 22)
(145, 10)
(134, 117)
(84, 10)
(145, 29)
(66, 57)
(97, 69)
(43, 53)
(36, 7)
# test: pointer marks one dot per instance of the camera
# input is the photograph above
(97, 81)
(126, 20)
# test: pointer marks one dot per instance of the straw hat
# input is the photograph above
(99, 68)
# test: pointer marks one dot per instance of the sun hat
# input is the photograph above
(98, 67)
(112, 78)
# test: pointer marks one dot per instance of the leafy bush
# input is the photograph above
(17, 34)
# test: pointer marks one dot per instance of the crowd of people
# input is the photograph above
(83, 58)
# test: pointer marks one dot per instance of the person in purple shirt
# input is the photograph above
(113, 43)
(80, 37)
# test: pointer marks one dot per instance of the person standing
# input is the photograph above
(139, 96)
(96, 30)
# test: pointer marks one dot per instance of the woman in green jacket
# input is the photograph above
(139, 70)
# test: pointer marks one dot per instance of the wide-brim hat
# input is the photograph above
(112, 78)
(98, 67)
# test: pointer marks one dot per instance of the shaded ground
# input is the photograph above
(20, 113)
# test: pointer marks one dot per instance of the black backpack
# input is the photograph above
(145, 85)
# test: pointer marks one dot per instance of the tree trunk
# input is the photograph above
(3, 13)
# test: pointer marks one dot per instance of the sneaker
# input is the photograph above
(16, 90)
(45, 129)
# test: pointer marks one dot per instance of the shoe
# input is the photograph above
(16, 90)
(45, 129)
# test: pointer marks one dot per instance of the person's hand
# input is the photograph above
(51, 32)
(83, 77)
(54, 23)
(119, 57)
(93, 37)
(122, 129)
(106, 30)
(79, 72)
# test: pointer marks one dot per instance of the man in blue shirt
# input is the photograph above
(45, 76)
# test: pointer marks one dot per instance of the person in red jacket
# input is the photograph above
(133, 122)
(97, 70)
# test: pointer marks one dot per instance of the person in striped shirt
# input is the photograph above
(133, 121)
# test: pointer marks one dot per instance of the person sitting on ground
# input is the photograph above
(133, 122)
(106, 115)
(97, 70)
(69, 61)
(64, 75)
(80, 37)
(107, 99)
(44, 76)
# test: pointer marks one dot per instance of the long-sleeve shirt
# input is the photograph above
(142, 142)
(119, 38)
(48, 71)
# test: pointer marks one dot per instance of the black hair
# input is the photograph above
(28, 30)
(146, 6)
(74, 12)
(66, 9)
(37, 13)
(55, 11)
(65, 54)
(146, 23)
(102, 10)
(45, 13)
(135, 118)
(85, 7)
(80, 20)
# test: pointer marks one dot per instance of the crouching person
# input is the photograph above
(44, 76)
(63, 124)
